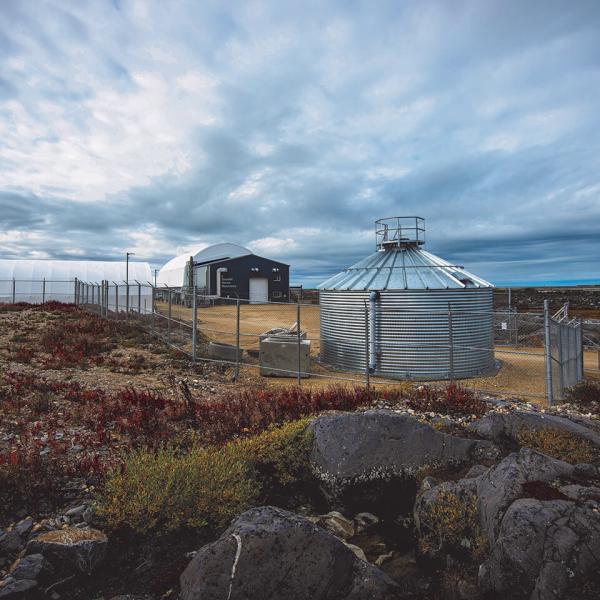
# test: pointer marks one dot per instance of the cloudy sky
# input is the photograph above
(157, 127)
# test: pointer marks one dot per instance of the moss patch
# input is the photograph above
(558, 444)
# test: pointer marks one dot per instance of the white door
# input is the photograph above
(259, 290)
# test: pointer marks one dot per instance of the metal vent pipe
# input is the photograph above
(373, 296)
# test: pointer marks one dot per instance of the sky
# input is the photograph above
(289, 127)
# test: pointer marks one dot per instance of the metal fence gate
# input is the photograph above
(564, 353)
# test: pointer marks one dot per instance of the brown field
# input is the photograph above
(522, 372)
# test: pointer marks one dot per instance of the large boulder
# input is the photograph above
(364, 461)
(501, 485)
(543, 550)
(268, 552)
(71, 549)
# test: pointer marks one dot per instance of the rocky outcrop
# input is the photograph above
(272, 553)
(363, 459)
(537, 517)
(543, 549)
(497, 426)
(501, 485)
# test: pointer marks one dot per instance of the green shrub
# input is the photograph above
(278, 456)
(558, 444)
(170, 489)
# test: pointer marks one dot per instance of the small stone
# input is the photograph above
(364, 521)
(34, 567)
(88, 515)
(13, 589)
(24, 527)
(76, 511)
(10, 543)
(336, 523)
(428, 483)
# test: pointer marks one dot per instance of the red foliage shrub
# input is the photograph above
(253, 411)
(454, 399)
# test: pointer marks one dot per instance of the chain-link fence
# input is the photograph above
(525, 355)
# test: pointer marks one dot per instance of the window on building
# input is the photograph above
(277, 277)
(276, 294)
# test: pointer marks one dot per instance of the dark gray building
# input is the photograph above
(229, 271)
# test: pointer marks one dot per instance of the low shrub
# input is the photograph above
(585, 395)
(450, 524)
(454, 399)
(279, 456)
(169, 489)
(253, 411)
(559, 444)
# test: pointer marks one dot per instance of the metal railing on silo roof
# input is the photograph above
(395, 231)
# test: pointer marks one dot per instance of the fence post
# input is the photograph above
(75, 292)
(548, 353)
(367, 369)
(93, 292)
(237, 341)
(450, 343)
(153, 323)
(194, 323)
(14, 290)
(127, 299)
(139, 298)
(117, 298)
(298, 344)
(169, 319)
(43, 290)
(561, 359)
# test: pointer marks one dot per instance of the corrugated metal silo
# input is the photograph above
(410, 313)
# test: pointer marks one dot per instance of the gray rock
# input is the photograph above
(364, 521)
(362, 459)
(476, 471)
(34, 567)
(496, 426)
(71, 549)
(24, 527)
(337, 524)
(272, 553)
(543, 549)
(76, 511)
(586, 471)
(13, 589)
(10, 543)
(502, 484)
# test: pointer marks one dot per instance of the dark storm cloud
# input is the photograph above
(291, 127)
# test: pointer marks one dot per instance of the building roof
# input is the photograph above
(172, 274)
(401, 268)
(91, 271)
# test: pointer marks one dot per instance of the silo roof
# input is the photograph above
(407, 267)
